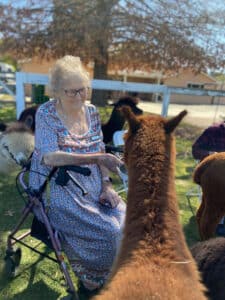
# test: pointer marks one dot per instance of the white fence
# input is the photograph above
(31, 78)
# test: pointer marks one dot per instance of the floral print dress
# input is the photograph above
(90, 232)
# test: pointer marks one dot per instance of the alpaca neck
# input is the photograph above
(152, 212)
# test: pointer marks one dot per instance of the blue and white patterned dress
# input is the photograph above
(90, 232)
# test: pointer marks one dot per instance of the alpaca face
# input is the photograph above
(128, 101)
(15, 150)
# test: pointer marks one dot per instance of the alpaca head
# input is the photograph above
(128, 101)
(117, 119)
(28, 117)
(147, 134)
(16, 146)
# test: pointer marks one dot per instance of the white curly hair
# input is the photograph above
(66, 68)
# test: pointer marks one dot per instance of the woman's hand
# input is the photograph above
(109, 196)
(111, 162)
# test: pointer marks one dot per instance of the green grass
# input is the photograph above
(40, 278)
(7, 112)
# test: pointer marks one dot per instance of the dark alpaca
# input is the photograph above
(210, 175)
(116, 121)
(28, 117)
(154, 261)
(210, 258)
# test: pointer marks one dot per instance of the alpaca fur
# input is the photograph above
(154, 261)
(16, 146)
(210, 175)
(210, 259)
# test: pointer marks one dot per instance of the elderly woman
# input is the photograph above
(68, 132)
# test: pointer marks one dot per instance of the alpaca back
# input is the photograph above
(214, 160)
(154, 261)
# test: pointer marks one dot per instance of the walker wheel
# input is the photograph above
(12, 262)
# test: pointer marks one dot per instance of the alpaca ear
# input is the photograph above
(172, 123)
(133, 121)
(29, 121)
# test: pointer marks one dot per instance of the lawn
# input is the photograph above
(40, 278)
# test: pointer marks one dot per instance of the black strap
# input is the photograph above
(63, 177)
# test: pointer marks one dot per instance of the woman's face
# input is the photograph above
(73, 93)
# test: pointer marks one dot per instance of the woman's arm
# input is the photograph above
(60, 158)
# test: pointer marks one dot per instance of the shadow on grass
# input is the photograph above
(38, 290)
(34, 291)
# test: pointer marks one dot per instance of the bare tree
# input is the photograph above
(156, 34)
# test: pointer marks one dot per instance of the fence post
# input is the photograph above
(166, 101)
(20, 95)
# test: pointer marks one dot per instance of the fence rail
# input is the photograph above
(31, 78)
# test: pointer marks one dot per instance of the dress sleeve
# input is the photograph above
(45, 141)
(46, 138)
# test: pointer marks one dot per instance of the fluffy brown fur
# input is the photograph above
(154, 261)
(210, 175)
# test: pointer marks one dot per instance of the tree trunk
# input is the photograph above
(99, 97)
(104, 10)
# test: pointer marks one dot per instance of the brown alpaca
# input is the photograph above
(210, 175)
(154, 261)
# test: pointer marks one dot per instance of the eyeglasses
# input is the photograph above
(75, 92)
